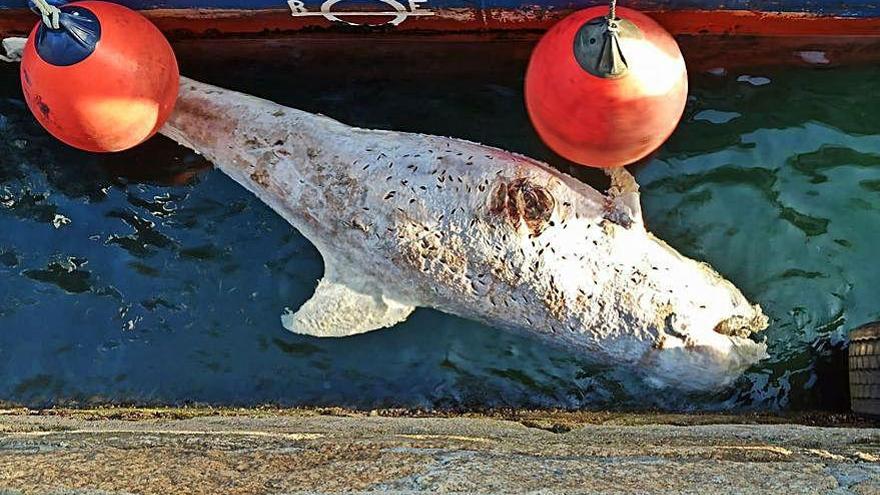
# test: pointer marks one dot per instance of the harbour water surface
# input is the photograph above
(146, 277)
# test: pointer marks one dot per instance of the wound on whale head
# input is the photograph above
(523, 201)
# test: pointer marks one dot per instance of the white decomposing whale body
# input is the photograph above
(410, 220)
(407, 220)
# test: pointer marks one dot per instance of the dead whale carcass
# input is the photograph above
(406, 220)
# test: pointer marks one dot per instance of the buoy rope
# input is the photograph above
(612, 10)
(49, 13)
(612, 16)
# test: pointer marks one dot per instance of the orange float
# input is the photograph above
(105, 80)
(606, 94)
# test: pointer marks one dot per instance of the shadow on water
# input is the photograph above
(147, 277)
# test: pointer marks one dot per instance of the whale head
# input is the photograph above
(613, 287)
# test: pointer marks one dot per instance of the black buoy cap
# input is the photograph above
(597, 46)
(76, 38)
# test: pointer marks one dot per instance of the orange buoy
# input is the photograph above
(105, 80)
(606, 94)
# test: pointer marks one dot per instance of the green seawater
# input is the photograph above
(145, 277)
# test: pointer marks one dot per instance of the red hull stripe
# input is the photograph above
(681, 22)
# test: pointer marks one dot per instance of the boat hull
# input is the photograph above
(744, 33)
(680, 17)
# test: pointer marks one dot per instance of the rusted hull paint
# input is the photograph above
(214, 22)
(496, 52)
(708, 40)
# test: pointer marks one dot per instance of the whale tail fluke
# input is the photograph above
(12, 48)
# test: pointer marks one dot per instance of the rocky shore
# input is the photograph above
(275, 451)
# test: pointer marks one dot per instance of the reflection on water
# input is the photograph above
(146, 277)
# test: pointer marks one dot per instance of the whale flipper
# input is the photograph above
(624, 196)
(337, 310)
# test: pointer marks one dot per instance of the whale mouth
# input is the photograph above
(702, 367)
(743, 326)
(710, 359)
